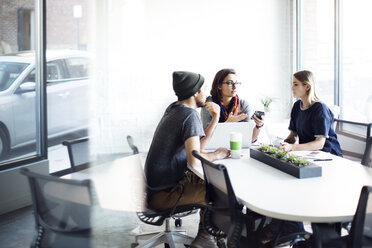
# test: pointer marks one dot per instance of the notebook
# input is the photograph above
(221, 135)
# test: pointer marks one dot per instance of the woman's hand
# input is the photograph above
(259, 122)
(286, 146)
(236, 118)
(213, 109)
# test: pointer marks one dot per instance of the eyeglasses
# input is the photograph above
(231, 83)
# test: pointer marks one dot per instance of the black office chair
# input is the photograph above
(61, 209)
(131, 144)
(154, 217)
(79, 155)
(367, 156)
(224, 216)
(352, 137)
(361, 228)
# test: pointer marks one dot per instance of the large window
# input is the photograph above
(68, 79)
(18, 119)
(341, 44)
(22, 119)
(317, 42)
(356, 94)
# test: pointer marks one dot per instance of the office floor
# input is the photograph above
(112, 228)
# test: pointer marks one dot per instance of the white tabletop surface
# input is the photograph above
(333, 197)
(118, 185)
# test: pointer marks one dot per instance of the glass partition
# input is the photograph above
(68, 72)
(67, 76)
(18, 103)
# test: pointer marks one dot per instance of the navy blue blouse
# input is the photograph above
(315, 121)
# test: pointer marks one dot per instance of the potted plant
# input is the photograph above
(264, 148)
(301, 161)
(289, 163)
(281, 155)
(291, 158)
(266, 101)
(273, 150)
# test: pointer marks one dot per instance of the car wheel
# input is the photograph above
(4, 144)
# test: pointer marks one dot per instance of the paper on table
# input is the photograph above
(313, 155)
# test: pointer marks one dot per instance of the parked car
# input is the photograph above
(68, 87)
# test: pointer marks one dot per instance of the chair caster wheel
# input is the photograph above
(134, 245)
(178, 222)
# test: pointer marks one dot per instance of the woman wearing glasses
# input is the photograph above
(232, 108)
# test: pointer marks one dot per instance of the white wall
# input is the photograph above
(139, 43)
(14, 188)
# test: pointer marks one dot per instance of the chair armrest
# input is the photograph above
(75, 141)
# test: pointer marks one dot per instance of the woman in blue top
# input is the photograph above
(311, 120)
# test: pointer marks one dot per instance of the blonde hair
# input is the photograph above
(307, 78)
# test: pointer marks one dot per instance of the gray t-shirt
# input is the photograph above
(166, 161)
(244, 108)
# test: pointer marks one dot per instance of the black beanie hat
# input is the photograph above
(186, 84)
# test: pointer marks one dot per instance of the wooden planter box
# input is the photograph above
(310, 170)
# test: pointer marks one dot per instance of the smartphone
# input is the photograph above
(258, 114)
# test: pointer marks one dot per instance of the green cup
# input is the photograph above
(235, 144)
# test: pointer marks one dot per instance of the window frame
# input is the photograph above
(40, 98)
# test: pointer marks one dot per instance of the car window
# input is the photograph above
(9, 71)
(30, 77)
(53, 72)
(78, 67)
(56, 71)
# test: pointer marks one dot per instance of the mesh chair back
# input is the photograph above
(78, 152)
(61, 205)
(352, 137)
(361, 229)
(62, 210)
(131, 145)
(367, 156)
(219, 194)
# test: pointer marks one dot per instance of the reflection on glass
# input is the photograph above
(68, 80)
(68, 64)
(17, 100)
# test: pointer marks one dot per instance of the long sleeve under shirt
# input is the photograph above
(166, 161)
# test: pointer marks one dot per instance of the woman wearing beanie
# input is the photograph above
(233, 108)
(311, 120)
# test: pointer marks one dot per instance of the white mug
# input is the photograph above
(277, 142)
(235, 144)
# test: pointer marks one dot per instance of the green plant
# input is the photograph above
(301, 161)
(291, 158)
(273, 150)
(281, 154)
(266, 101)
(264, 148)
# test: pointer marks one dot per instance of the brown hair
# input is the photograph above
(217, 81)
(307, 78)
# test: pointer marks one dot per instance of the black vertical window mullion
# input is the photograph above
(41, 96)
